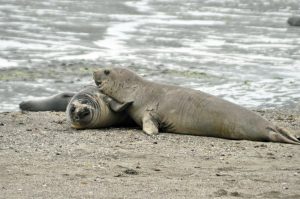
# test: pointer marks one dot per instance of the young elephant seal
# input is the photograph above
(87, 109)
(54, 103)
(175, 109)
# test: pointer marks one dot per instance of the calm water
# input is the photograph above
(240, 50)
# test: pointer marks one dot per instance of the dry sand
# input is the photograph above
(42, 157)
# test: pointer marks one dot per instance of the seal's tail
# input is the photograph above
(281, 135)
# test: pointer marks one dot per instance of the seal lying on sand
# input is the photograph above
(85, 109)
(175, 109)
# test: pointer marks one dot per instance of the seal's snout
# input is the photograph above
(97, 77)
(83, 113)
(96, 74)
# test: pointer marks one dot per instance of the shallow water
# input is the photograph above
(241, 50)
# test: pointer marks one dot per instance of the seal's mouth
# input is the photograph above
(98, 83)
(82, 114)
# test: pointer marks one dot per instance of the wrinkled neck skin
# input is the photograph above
(123, 90)
(103, 115)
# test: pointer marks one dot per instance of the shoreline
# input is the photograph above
(42, 157)
(53, 77)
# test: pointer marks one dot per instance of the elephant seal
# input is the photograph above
(88, 109)
(294, 21)
(160, 107)
(85, 109)
(57, 102)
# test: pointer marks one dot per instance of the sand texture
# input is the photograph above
(42, 157)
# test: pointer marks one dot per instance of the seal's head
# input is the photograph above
(81, 111)
(88, 109)
(116, 81)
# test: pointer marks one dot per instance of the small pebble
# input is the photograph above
(221, 192)
(131, 172)
(118, 175)
(236, 194)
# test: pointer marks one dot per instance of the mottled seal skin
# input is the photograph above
(87, 110)
(294, 21)
(54, 103)
(159, 107)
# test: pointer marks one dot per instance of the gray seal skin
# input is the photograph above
(87, 110)
(160, 107)
(294, 21)
(54, 103)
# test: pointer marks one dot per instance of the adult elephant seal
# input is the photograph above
(88, 109)
(175, 109)
(85, 109)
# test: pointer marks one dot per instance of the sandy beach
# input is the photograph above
(42, 157)
(241, 51)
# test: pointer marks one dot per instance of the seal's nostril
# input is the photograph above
(77, 118)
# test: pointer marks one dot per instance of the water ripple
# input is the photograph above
(246, 50)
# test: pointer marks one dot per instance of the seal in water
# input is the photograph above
(54, 103)
(88, 109)
(175, 109)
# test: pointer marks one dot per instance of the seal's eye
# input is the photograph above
(72, 109)
(106, 72)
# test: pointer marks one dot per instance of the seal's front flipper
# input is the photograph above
(150, 124)
(117, 106)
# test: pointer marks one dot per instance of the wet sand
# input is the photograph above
(42, 157)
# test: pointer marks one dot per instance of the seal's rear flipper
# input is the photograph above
(57, 102)
(281, 135)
